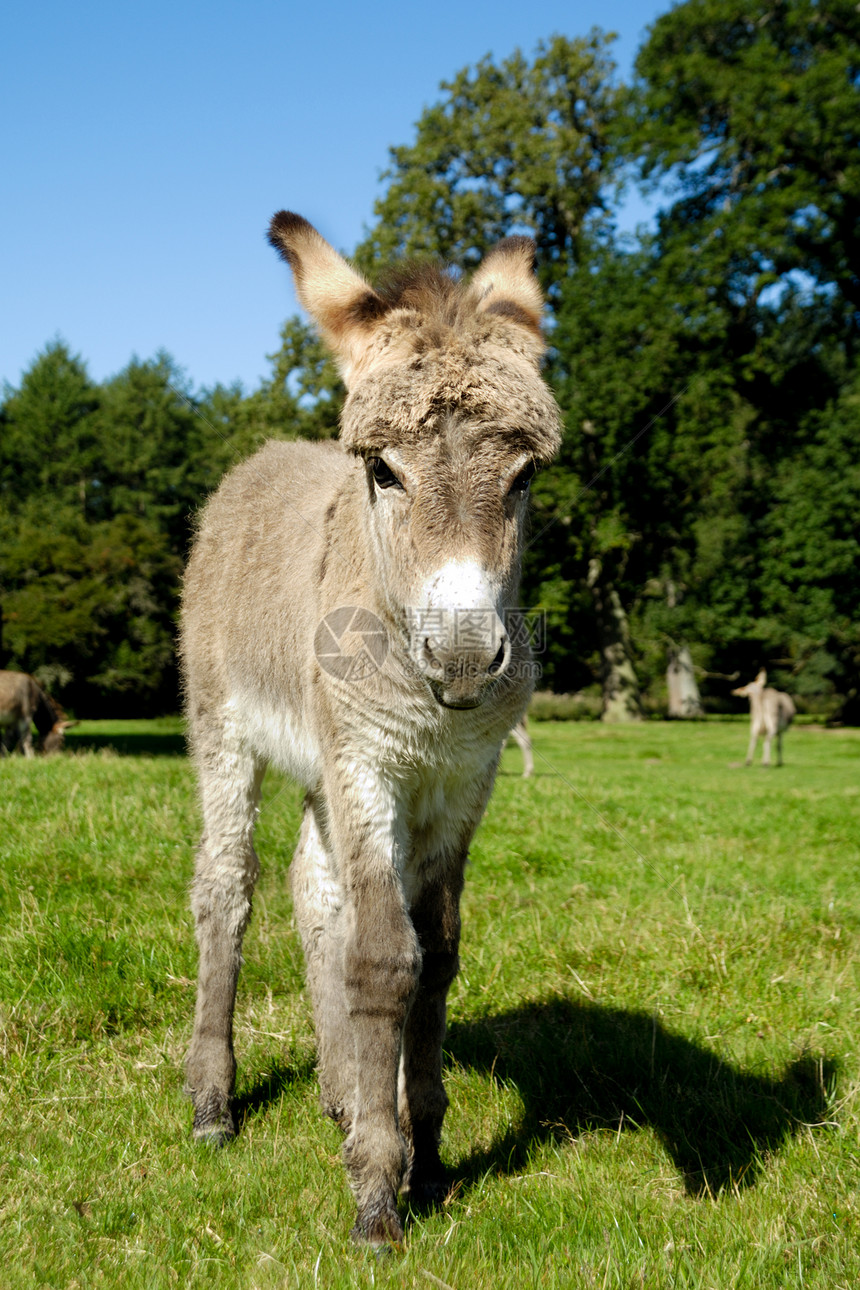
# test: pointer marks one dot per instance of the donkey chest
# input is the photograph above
(440, 809)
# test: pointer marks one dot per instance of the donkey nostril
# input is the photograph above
(430, 659)
(499, 661)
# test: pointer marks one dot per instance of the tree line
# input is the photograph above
(704, 510)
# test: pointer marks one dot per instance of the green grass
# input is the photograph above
(652, 1056)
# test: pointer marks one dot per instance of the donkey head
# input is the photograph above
(753, 688)
(54, 739)
(448, 411)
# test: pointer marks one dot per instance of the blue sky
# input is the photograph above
(145, 147)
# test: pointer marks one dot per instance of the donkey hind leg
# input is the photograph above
(221, 893)
(765, 757)
(318, 908)
(422, 1101)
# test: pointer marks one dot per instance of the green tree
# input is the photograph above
(639, 451)
(89, 607)
(47, 434)
(810, 557)
(97, 486)
(753, 110)
(752, 114)
(514, 145)
(154, 450)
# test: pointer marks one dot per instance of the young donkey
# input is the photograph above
(771, 712)
(345, 619)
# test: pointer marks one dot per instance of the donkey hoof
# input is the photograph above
(214, 1136)
(380, 1231)
(213, 1121)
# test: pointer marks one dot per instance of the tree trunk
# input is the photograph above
(684, 697)
(621, 700)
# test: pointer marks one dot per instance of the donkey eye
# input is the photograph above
(383, 475)
(523, 479)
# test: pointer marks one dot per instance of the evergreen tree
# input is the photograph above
(89, 608)
(47, 434)
(154, 450)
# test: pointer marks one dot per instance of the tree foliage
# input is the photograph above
(96, 485)
(514, 145)
(753, 109)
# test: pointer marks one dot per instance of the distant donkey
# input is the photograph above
(771, 712)
(344, 618)
(24, 704)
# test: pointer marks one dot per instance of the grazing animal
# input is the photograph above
(344, 619)
(771, 712)
(24, 704)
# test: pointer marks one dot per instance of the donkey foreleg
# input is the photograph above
(221, 893)
(25, 737)
(382, 961)
(422, 1100)
(751, 747)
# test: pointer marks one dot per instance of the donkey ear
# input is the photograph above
(761, 679)
(505, 284)
(341, 303)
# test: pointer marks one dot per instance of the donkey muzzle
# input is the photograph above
(462, 655)
(456, 636)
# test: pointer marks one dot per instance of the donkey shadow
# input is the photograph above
(270, 1087)
(134, 744)
(579, 1066)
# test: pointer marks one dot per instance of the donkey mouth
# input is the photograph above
(460, 704)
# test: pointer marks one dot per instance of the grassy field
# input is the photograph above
(652, 1056)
